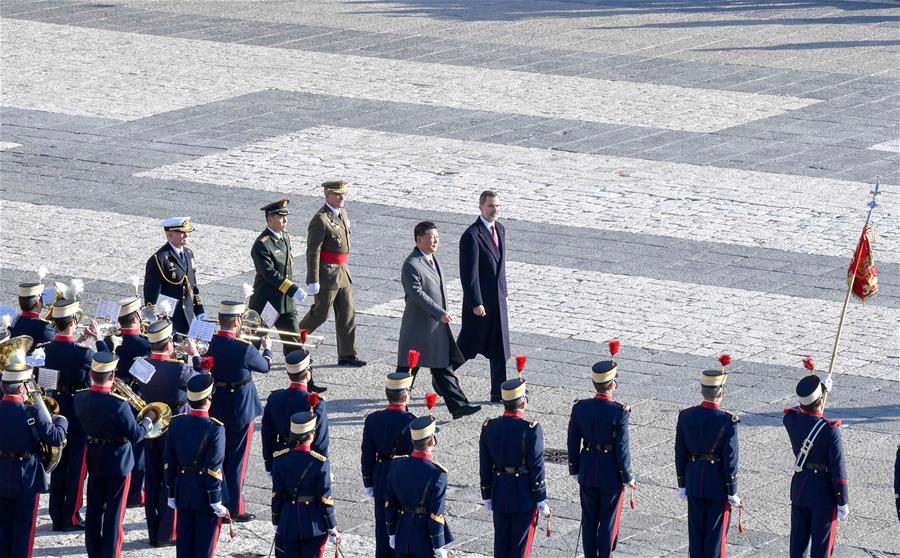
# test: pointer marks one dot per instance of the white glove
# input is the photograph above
(332, 478)
(333, 536)
(370, 492)
(312, 288)
(843, 511)
(735, 501)
(440, 553)
(269, 474)
(545, 509)
(275, 528)
(299, 295)
(682, 493)
(201, 317)
(147, 424)
(170, 502)
(827, 382)
(574, 477)
(219, 509)
(489, 505)
(392, 541)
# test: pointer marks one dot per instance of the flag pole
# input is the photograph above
(872, 205)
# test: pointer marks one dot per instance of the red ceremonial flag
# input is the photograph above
(862, 268)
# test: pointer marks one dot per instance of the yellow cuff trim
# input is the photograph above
(214, 474)
(285, 285)
(327, 501)
(437, 518)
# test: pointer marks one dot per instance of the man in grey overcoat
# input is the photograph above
(426, 323)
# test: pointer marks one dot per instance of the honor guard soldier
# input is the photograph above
(171, 272)
(282, 404)
(29, 321)
(22, 477)
(819, 485)
(236, 402)
(167, 385)
(416, 490)
(385, 436)
(195, 450)
(111, 430)
(73, 362)
(511, 457)
(328, 272)
(302, 506)
(706, 463)
(600, 458)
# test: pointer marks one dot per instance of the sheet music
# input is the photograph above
(108, 309)
(47, 378)
(142, 370)
(269, 315)
(202, 330)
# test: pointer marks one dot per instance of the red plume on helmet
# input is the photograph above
(430, 400)
(808, 364)
(613, 347)
(724, 360)
(412, 359)
(520, 364)
(304, 335)
(206, 364)
(313, 400)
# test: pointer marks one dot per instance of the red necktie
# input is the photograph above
(494, 236)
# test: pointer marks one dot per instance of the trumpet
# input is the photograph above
(163, 412)
(181, 353)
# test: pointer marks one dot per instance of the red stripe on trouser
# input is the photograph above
(831, 535)
(244, 461)
(725, 519)
(123, 503)
(216, 537)
(79, 494)
(37, 500)
(615, 531)
(174, 524)
(322, 548)
(531, 528)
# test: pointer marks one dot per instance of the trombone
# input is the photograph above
(253, 325)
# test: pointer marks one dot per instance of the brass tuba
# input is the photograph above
(163, 412)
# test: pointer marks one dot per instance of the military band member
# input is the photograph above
(600, 460)
(29, 321)
(73, 362)
(819, 486)
(168, 385)
(416, 490)
(511, 457)
(22, 477)
(328, 273)
(302, 506)
(236, 402)
(897, 481)
(385, 436)
(195, 450)
(706, 463)
(282, 404)
(111, 429)
(171, 272)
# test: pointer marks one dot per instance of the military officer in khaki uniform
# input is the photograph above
(327, 272)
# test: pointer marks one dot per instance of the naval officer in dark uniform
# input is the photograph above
(171, 272)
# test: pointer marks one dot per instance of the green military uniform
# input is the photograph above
(273, 262)
(327, 254)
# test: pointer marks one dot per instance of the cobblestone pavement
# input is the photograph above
(687, 175)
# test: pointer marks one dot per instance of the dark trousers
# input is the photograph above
(67, 482)
(136, 491)
(600, 512)
(498, 376)
(446, 384)
(198, 532)
(306, 548)
(237, 454)
(105, 512)
(344, 318)
(707, 527)
(160, 517)
(17, 519)
(813, 527)
(513, 534)
(287, 322)
(382, 546)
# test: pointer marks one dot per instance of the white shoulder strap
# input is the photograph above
(808, 444)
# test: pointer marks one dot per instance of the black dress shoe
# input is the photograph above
(245, 517)
(352, 361)
(71, 528)
(161, 544)
(466, 411)
(317, 389)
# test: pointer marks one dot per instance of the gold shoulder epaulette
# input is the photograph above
(178, 415)
(243, 340)
(400, 457)
(216, 421)
(318, 456)
(82, 389)
(441, 467)
(280, 452)
(734, 418)
(117, 396)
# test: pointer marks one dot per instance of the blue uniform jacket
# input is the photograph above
(598, 443)
(276, 421)
(414, 509)
(511, 457)
(166, 274)
(385, 435)
(823, 480)
(73, 363)
(168, 384)
(706, 452)
(195, 450)
(302, 506)
(236, 402)
(30, 324)
(108, 417)
(133, 345)
(22, 478)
